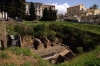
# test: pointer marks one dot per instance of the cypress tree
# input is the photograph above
(46, 15)
(32, 12)
(20, 8)
(51, 14)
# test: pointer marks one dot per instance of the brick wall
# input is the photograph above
(3, 33)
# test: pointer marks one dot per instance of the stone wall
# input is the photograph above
(3, 33)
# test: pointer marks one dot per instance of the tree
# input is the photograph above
(32, 12)
(20, 8)
(95, 6)
(13, 7)
(49, 14)
(46, 14)
(54, 15)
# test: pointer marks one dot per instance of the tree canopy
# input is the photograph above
(95, 6)
(32, 12)
(13, 7)
(49, 14)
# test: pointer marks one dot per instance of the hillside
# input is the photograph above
(86, 59)
(20, 57)
(81, 38)
(24, 57)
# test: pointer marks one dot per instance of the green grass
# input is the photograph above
(27, 64)
(82, 59)
(3, 55)
(10, 64)
(20, 51)
(94, 28)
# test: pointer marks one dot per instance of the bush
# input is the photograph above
(3, 55)
(51, 36)
(94, 62)
(80, 49)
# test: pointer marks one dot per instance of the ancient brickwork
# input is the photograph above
(3, 33)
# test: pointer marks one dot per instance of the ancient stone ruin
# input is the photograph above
(3, 42)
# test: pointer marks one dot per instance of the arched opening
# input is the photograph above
(1, 45)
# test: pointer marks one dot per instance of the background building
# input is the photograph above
(39, 7)
(75, 10)
(47, 6)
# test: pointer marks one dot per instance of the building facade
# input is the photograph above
(39, 7)
(75, 10)
(47, 6)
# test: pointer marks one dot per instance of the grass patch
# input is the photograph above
(86, 59)
(3, 55)
(42, 62)
(21, 51)
(10, 64)
(27, 64)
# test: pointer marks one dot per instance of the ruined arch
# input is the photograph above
(1, 45)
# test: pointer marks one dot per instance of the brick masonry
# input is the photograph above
(3, 33)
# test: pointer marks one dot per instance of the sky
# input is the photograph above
(61, 5)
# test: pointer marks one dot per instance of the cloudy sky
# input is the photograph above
(61, 5)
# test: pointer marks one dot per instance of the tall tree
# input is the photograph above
(46, 15)
(51, 14)
(32, 11)
(20, 8)
(95, 6)
(54, 15)
(13, 7)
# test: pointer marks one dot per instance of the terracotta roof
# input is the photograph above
(64, 52)
(75, 5)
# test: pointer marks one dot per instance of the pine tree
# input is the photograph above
(46, 15)
(20, 8)
(54, 15)
(32, 12)
(51, 14)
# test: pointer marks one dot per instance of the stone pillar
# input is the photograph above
(3, 15)
(3, 33)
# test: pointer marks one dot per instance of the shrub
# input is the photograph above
(51, 36)
(93, 62)
(80, 49)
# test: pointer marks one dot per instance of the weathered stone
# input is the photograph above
(3, 34)
(46, 42)
(38, 44)
(26, 41)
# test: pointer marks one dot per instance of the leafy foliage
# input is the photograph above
(13, 7)
(49, 14)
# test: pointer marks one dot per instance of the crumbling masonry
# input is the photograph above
(3, 42)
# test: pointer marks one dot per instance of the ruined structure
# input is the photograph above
(3, 42)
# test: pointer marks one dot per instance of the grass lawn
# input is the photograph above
(94, 28)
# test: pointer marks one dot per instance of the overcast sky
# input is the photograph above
(61, 5)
